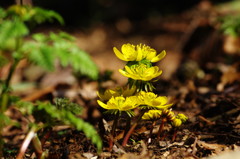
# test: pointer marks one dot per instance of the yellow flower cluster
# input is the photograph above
(139, 70)
(120, 103)
(179, 119)
(152, 115)
(138, 95)
(143, 100)
(137, 53)
(118, 91)
(152, 101)
(176, 120)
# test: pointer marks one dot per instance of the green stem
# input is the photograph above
(31, 136)
(126, 138)
(4, 97)
(6, 87)
(26, 142)
(37, 146)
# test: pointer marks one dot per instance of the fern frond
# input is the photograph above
(70, 54)
(43, 15)
(10, 31)
(82, 62)
(33, 14)
(88, 129)
(3, 14)
(25, 108)
(64, 103)
(45, 49)
(51, 116)
(40, 54)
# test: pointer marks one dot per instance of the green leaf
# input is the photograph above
(5, 120)
(65, 104)
(33, 14)
(60, 46)
(40, 54)
(81, 61)
(10, 31)
(69, 54)
(3, 14)
(230, 25)
(39, 37)
(43, 15)
(26, 108)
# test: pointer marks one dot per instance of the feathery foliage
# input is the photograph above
(60, 113)
(230, 25)
(41, 49)
(44, 49)
(16, 44)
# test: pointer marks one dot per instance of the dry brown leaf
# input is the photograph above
(144, 154)
(217, 148)
(231, 45)
(230, 74)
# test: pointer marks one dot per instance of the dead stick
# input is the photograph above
(38, 94)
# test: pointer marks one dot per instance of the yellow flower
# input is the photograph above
(169, 114)
(118, 91)
(120, 103)
(137, 53)
(178, 120)
(128, 52)
(182, 117)
(152, 100)
(141, 72)
(152, 115)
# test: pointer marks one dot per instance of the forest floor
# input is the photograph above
(199, 76)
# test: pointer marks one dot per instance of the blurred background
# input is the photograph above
(190, 31)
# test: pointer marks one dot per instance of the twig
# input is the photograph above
(38, 94)
(232, 111)
(194, 147)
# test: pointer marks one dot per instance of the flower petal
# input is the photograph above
(159, 56)
(118, 54)
(103, 105)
